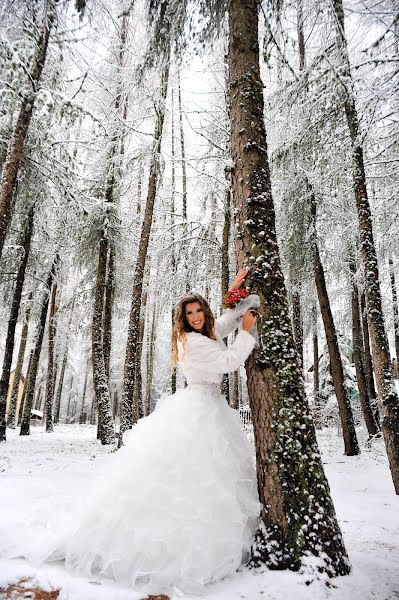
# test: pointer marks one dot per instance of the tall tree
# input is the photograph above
(132, 347)
(11, 418)
(298, 514)
(381, 355)
(35, 357)
(49, 398)
(10, 339)
(337, 371)
(395, 308)
(16, 145)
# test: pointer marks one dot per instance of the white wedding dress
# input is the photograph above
(180, 505)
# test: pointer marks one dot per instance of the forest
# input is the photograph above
(150, 148)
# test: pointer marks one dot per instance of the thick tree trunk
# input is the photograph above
(298, 514)
(134, 319)
(379, 341)
(11, 419)
(51, 370)
(394, 307)
(17, 141)
(358, 357)
(100, 379)
(34, 366)
(172, 223)
(12, 323)
(225, 271)
(368, 363)
(109, 301)
(337, 371)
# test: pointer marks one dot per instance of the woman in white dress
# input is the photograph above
(180, 505)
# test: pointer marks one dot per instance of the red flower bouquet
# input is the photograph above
(233, 297)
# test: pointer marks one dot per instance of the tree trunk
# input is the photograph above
(358, 357)
(109, 301)
(368, 363)
(82, 407)
(12, 323)
(316, 370)
(31, 381)
(60, 386)
(18, 137)
(297, 325)
(394, 307)
(22, 405)
(51, 370)
(138, 410)
(225, 272)
(11, 419)
(337, 371)
(172, 230)
(150, 362)
(298, 514)
(100, 379)
(134, 319)
(184, 244)
(379, 341)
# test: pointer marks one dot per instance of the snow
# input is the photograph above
(63, 464)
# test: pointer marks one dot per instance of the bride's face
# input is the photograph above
(195, 316)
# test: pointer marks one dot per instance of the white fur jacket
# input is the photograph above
(205, 360)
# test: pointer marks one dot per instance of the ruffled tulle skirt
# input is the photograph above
(179, 504)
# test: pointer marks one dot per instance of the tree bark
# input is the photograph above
(387, 393)
(298, 514)
(368, 363)
(12, 323)
(134, 319)
(32, 375)
(109, 301)
(337, 371)
(16, 145)
(184, 244)
(394, 307)
(82, 407)
(358, 357)
(138, 410)
(51, 370)
(173, 380)
(149, 397)
(225, 271)
(316, 370)
(11, 419)
(100, 379)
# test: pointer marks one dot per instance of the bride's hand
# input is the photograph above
(239, 279)
(248, 321)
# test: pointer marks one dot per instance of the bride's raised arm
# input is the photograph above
(228, 321)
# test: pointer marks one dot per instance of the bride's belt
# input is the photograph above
(206, 386)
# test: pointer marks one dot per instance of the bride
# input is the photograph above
(180, 506)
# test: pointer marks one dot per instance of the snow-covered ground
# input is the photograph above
(63, 463)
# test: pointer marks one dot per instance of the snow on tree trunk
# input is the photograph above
(16, 145)
(394, 307)
(358, 357)
(225, 272)
(150, 362)
(298, 515)
(12, 323)
(132, 346)
(100, 379)
(379, 341)
(138, 409)
(368, 363)
(337, 371)
(51, 370)
(34, 362)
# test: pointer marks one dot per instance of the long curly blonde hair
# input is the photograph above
(181, 326)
